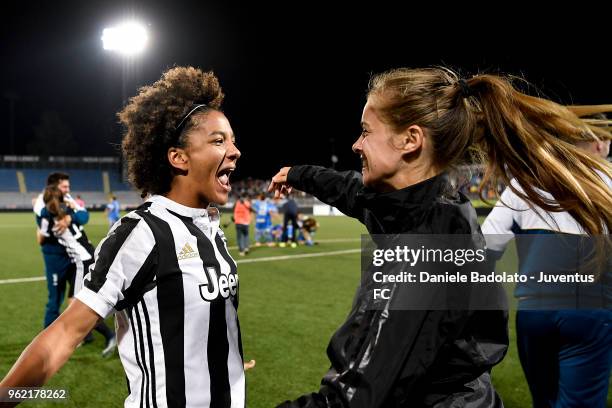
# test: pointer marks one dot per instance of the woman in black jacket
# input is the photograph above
(416, 125)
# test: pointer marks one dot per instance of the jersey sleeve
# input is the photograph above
(338, 189)
(39, 204)
(44, 222)
(123, 264)
(80, 216)
(498, 227)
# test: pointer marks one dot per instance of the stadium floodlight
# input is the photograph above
(128, 38)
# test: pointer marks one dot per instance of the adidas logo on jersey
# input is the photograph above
(187, 252)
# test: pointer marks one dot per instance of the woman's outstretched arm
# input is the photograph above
(48, 352)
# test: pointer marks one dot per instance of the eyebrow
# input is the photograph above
(218, 132)
(221, 133)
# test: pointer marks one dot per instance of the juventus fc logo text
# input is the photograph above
(224, 285)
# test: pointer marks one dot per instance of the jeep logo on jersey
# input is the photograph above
(224, 285)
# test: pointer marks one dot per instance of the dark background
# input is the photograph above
(294, 77)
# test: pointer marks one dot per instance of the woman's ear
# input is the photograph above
(178, 159)
(411, 139)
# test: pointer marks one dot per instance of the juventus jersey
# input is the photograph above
(71, 238)
(166, 273)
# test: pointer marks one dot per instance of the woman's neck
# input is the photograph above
(186, 196)
(411, 176)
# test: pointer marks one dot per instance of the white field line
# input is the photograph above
(325, 241)
(21, 280)
(240, 261)
(286, 257)
(33, 225)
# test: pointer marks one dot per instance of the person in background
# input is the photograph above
(564, 332)
(79, 201)
(79, 251)
(599, 147)
(242, 219)
(308, 228)
(277, 234)
(57, 262)
(113, 209)
(290, 212)
(264, 210)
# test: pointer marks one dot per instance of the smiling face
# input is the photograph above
(381, 159)
(210, 157)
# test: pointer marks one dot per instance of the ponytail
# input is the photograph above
(533, 140)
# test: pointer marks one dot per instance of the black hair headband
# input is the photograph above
(179, 128)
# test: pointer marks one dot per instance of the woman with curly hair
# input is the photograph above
(164, 269)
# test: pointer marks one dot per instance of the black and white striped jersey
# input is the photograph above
(70, 239)
(165, 271)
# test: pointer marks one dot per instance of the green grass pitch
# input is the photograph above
(288, 311)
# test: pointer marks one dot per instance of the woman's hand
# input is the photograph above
(249, 364)
(48, 352)
(70, 201)
(62, 224)
(279, 183)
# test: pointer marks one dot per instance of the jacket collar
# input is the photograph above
(401, 211)
(418, 194)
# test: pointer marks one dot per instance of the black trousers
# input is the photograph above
(288, 217)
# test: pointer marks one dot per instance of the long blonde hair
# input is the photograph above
(528, 138)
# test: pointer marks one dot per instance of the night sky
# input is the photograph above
(294, 78)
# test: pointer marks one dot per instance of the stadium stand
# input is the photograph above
(80, 180)
(117, 183)
(22, 178)
(8, 180)
(95, 178)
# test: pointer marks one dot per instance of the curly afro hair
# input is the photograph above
(151, 118)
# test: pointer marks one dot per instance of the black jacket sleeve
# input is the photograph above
(379, 351)
(338, 189)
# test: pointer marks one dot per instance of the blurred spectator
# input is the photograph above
(290, 211)
(242, 219)
(264, 209)
(80, 201)
(112, 211)
(308, 227)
